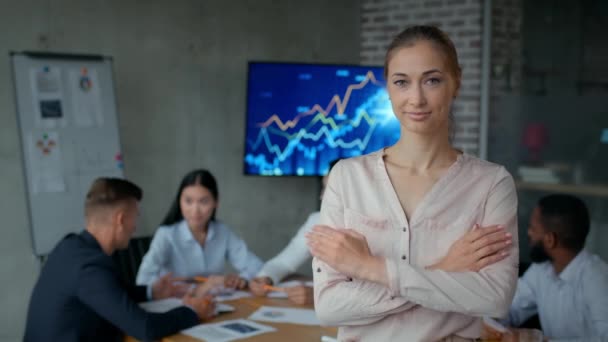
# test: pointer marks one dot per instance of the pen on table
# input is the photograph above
(274, 288)
(328, 339)
(196, 279)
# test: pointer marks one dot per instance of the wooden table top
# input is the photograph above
(244, 307)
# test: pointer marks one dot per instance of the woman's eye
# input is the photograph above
(400, 83)
(433, 81)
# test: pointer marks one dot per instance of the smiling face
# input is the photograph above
(421, 87)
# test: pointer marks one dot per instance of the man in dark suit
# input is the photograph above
(79, 295)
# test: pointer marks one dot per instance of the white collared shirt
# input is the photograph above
(174, 249)
(572, 305)
(293, 255)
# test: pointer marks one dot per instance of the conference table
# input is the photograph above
(244, 307)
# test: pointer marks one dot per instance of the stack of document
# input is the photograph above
(164, 305)
(227, 330)
(285, 315)
(285, 284)
(224, 294)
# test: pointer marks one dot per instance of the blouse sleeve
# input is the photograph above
(243, 260)
(485, 293)
(340, 300)
(155, 259)
(292, 256)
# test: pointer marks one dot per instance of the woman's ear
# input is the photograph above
(457, 88)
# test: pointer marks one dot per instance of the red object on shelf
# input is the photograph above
(535, 138)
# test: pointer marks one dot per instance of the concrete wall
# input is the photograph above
(180, 73)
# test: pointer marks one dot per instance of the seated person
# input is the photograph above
(286, 263)
(79, 295)
(191, 242)
(289, 260)
(565, 285)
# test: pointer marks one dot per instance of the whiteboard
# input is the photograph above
(66, 112)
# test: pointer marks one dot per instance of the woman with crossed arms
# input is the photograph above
(395, 273)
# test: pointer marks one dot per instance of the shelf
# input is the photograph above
(575, 189)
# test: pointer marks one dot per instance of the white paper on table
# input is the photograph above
(221, 308)
(276, 294)
(285, 315)
(227, 330)
(46, 163)
(494, 324)
(328, 339)
(223, 294)
(291, 283)
(164, 305)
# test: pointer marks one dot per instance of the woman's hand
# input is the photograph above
(233, 281)
(213, 282)
(167, 286)
(346, 251)
(477, 249)
(300, 294)
(258, 286)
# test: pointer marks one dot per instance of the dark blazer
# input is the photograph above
(79, 297)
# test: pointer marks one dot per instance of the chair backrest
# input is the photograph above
(128, 260)
(523, 266)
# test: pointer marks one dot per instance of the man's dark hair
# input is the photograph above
(566, 216)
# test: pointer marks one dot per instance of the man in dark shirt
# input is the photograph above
(79, 295)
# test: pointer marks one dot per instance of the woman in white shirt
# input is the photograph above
(296, 253)
(285, 263)
(289, 260)
(384, 278)
(191, 242)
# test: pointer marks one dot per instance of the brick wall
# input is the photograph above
(506, 47)
(381, 20)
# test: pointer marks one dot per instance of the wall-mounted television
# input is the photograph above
(300, 117)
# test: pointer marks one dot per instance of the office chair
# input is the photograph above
(128, 260)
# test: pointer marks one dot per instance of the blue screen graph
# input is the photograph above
(300, 117)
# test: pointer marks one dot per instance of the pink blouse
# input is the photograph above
(419, 304)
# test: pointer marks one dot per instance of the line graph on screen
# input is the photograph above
(301, 117)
